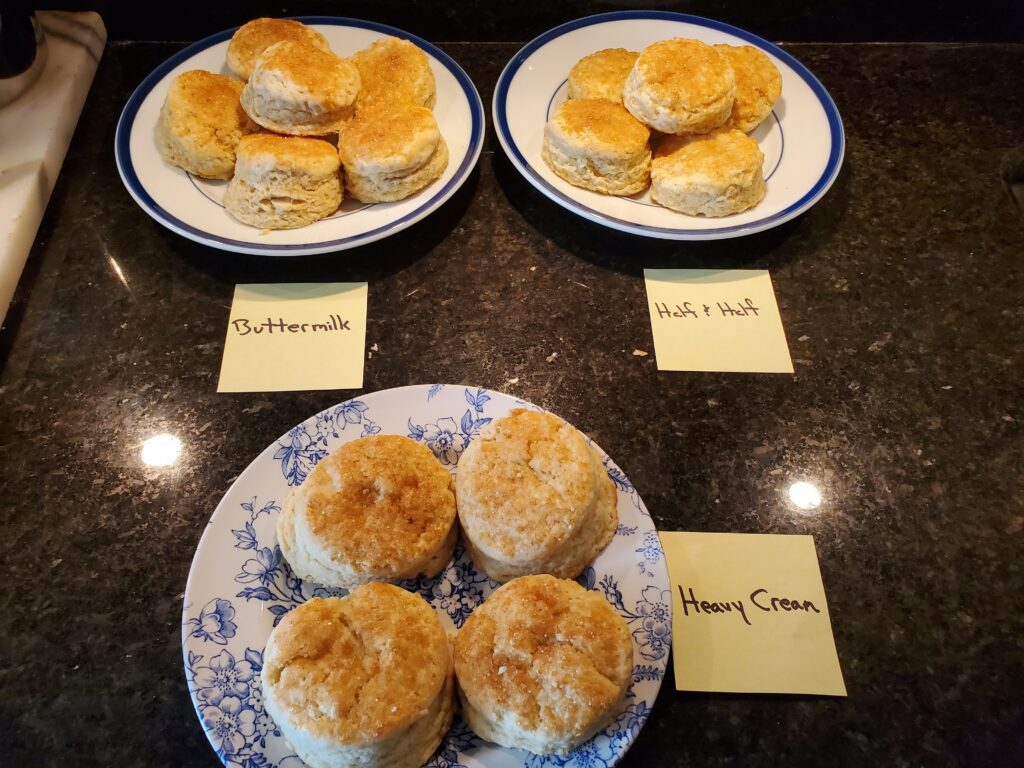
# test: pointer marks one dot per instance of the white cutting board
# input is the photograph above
(35, 131)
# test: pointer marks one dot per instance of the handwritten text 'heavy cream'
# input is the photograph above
(759, 599)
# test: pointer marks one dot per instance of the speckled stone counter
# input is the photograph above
(901, 294)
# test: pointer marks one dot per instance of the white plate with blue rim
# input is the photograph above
(194, 208)
(239, 586)
(802, 140)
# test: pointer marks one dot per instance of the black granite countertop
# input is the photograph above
(901, 294)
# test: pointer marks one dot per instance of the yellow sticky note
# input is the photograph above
(295, 336)
(749, 615)
(716, 320)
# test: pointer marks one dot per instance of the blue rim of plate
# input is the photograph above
(126, 123)
(820, 187)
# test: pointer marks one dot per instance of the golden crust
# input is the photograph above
(356, 669)
(685, 72)
(395, 70)
(300, 90)
(388, 138)
(714, 174)
(533, 498)
(378, 508)
(313, 70)
(716, 156)
(283, 182)
(314, 157)
(601, 75)
(596, 144)
(390, 187)
(254, 37)
(525, 485)
(201, 123)
(758, 85)
(544, 662)
(214, 98)
(680, 86)
(601, 126)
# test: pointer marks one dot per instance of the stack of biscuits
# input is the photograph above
(674, 117)
(297, 126)
(370, 679)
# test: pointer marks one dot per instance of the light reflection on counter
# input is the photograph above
(118, 271)
(161, 450)
(804, 495)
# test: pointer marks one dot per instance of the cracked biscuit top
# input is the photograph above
(356, 669)
(544, 655)
(526, 486)
(378, 504)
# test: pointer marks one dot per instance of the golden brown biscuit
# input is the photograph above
(300, 90)
(254, 37)
(680, 86)
(596, 144)
(362, 680)
(283, 182)
(201, 123)
(758, 86)
(714, 174)
(380, 508)
(390, 151)
(601, 75)
(395, 70)
(534, 498)
(542, 665)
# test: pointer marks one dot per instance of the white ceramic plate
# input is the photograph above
(193, 207)
(802, 139)
(239, 586)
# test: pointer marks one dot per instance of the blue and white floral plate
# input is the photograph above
(802, 139)
(240, 587)
(194, 208)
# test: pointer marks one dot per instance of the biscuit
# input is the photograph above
(534, 498)
(395, 70)
(254, 37)
(391, 151)
(596, 144)
(283, 182)
(380, 508)
(542, 665)
(601, 75)
(713, 174)
(758, 86)
(201, 123)
(680, 86)
(362, 680)
(300, 90)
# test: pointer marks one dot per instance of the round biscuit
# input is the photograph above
(758, 86)
(596, 144)
(680, 86)
(390, 151)
(201, 122)
(542, 665)
(361, 680)
(283, 182)
(714, 174)
(601, 75)
(300, 90)
(533, 497)
(394, 70)
(380, 508)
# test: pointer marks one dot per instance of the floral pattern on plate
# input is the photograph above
(240, 586)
